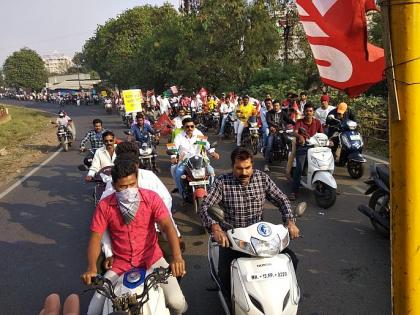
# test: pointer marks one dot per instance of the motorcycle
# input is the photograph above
(136, 292)
(229, 126)
(108, 108)
(351, 144)
(195, 179)
(281, 145)
(318, 175)
(101, 178)
(251, 135)
(265, 282)
(378, 210)
(148, 154)
(65, 137)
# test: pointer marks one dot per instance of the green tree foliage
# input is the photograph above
(25, 69)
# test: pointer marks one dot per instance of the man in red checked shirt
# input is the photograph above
(130, 215)
(311, 125)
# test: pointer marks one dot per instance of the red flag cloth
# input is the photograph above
(337, 33)
(164, 124)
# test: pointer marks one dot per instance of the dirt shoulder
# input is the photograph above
(25, 140)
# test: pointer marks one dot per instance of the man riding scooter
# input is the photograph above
(242, 193)
(304, 129)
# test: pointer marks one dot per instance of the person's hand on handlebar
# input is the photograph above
(301, 139)
(219, 235)
(178, 266)
(82, 149)
(88, 275)
(88, 178)
(215, 155)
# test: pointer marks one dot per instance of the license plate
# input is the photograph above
(266, 275)
(253, 129)
(354, 137)
(201, 182)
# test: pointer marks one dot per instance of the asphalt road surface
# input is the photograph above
(344, 265)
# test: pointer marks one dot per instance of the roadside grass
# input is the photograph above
(24, 140)
(25, 124)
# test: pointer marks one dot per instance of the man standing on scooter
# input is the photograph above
(304, 129)
(242, 194)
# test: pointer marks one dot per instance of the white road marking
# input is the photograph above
(375, 159)
(360, 190)
(20, 181)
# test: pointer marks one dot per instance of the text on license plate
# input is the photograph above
(354, 137)
(201, 182)
(266, 275)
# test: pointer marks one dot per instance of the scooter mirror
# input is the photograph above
(331, 117)
(82, 168)
(214, 144)
(300, 209)
(216, 213)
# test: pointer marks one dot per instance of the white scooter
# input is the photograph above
(264, 284)
(319, 173)
(136, 292)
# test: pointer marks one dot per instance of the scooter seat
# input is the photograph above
(383, 173)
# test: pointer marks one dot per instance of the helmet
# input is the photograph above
(61, 113)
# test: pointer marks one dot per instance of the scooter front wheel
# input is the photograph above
(379, 201)
(355, 169)
(325, 195)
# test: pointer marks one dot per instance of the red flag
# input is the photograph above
(163, 124)
(337, 33)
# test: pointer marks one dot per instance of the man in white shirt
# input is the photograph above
(225, 109)
(186, 145)
(64, 120)
(104, 156)
(303, 98)
(321, 113)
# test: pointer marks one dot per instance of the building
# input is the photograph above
(57, 64)
(189, 6)
(71, 82)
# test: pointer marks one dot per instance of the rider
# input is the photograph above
(225, 109)
(242, 194)
(244, 112)
(104, 156)
(142, 133)
(129, 215)
(186, 144)
(94, 136)
(322, 112)
(277, 119)
(268, 105)
(304, 129)
(64, 120)
(341, 114)
(177, 121)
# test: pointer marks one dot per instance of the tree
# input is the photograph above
(1, 79)
(25, 69)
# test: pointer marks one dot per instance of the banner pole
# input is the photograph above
(405, 157)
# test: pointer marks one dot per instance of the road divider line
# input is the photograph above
(24, 178)
(360, 190)
(376, 159)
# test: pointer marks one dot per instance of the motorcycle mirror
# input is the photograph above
(82, 168)
(214, 144)
(300, 209)
(216, 213)
(331, 117)
(128, 132)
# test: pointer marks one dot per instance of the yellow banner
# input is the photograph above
(104, 93)
(132, 100)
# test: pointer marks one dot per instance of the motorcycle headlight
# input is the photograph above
(199, 173)
(244, 246)
(254, 125)
(266, 248)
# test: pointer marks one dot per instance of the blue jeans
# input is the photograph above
(265, 132)
(180, 169)
(222, 128)
(301, 154)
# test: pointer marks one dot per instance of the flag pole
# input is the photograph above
(404, 22)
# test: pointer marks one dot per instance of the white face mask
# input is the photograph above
(128, 202)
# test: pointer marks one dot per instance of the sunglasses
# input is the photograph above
(190, 126)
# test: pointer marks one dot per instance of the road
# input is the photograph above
(344, 265)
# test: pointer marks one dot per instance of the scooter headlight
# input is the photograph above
(266, 248)
(244, 246)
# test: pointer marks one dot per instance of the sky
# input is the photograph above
(57, 26)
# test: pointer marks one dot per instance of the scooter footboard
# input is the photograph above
(325, 177)
(265, 285)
